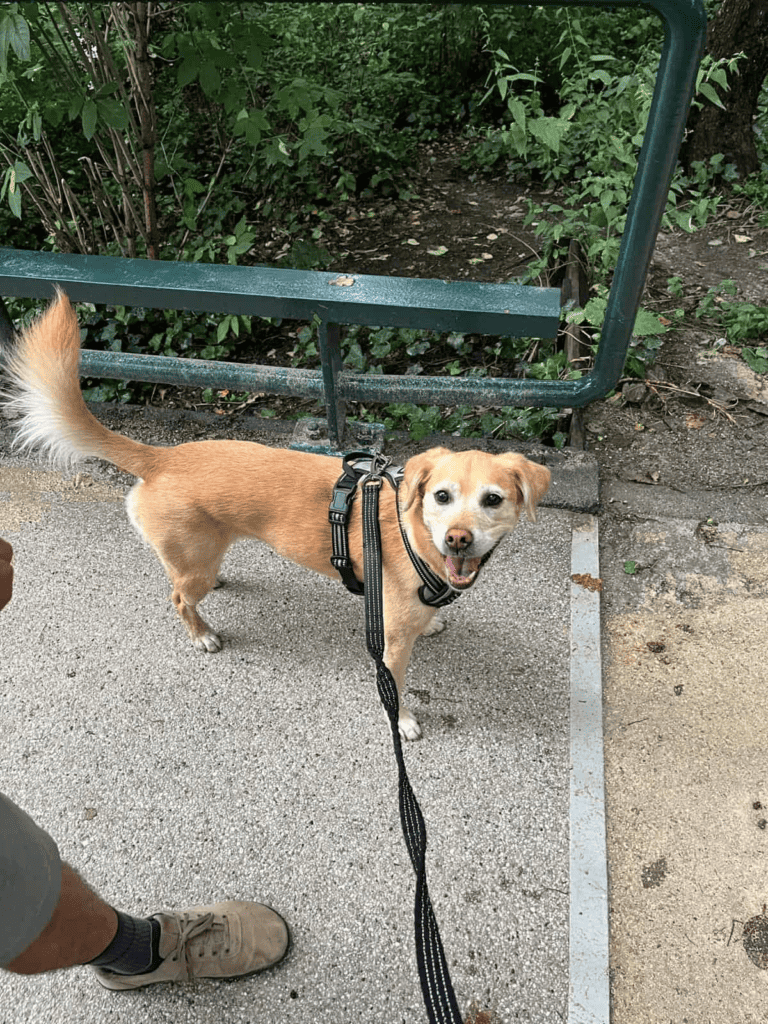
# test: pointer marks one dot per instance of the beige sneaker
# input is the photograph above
(225, 940)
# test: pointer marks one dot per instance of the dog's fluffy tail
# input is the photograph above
(43, 370)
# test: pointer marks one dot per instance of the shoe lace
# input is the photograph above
(211, 933)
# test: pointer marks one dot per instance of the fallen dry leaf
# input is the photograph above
(477, 1016)
(586, 580)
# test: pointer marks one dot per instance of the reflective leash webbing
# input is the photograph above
(436, 988)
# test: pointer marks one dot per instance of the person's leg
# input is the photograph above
(50, 919)
(81, 928)
(30, 880)
(225, 940)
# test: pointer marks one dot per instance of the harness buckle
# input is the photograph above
(338, 510)
(341, 501)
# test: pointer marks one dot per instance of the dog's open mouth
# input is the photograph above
(462, 572)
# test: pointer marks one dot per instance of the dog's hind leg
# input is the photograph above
(188, 591)
(191, 549)
(192, 564)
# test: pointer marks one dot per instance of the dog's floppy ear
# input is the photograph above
(415, 473)
(530, 479)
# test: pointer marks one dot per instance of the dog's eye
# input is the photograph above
(442, 497)
(492, 500)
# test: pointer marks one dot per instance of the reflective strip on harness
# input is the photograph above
(338, 516)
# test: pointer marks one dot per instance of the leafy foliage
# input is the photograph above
(740, 322)
(238, 128)
(281, 112)
(397, 351)
(590, 144)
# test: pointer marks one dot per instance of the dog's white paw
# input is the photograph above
(208, 642)
(435, 625)
(407, 725)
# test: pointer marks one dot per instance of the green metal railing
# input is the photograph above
(501, 309)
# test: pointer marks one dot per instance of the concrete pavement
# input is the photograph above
(170, 778)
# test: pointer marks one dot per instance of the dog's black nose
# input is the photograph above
(458, 540)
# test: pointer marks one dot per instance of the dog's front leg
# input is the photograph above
(405, 618)
(434, 626)
(397, 652)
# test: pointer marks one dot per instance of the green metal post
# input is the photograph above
(330, 356)
(685, 26)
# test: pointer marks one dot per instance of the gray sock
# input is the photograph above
(134, 949)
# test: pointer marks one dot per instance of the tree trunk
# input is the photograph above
(739, 26)
(133, 20)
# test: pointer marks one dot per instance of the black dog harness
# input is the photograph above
(357, 466)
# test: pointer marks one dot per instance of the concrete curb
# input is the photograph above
(588, 945)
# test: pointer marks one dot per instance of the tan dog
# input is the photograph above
(194, 500)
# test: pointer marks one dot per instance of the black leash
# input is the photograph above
(436, 988)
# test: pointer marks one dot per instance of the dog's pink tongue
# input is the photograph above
(461, 571)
